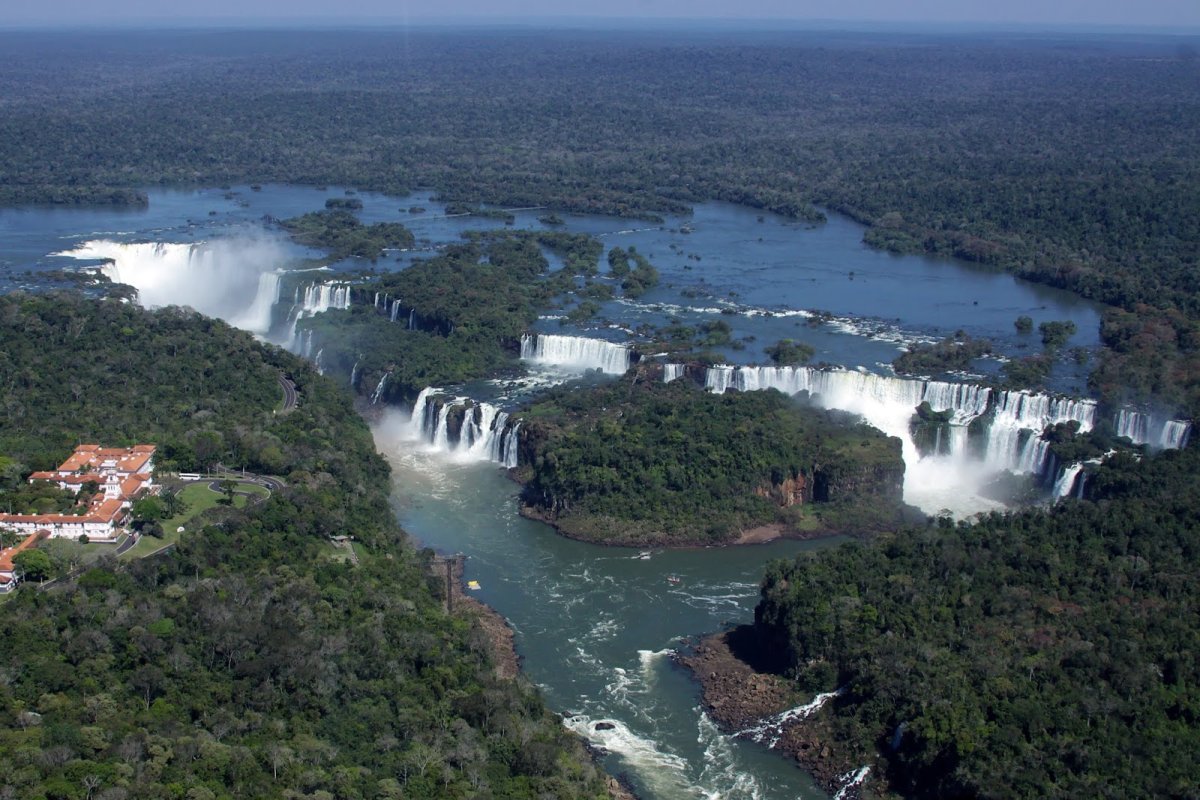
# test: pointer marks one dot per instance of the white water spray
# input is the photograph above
(236, 280)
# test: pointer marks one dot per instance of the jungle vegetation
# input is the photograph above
(639, 461)
(985, 148)
(1032, 654)
(250, 661)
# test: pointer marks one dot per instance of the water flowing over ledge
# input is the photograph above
(575, 353)
(989, 430)
(236, 280)
(464, 428)
(313, 299)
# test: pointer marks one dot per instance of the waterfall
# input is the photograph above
(1175, 434)
(377, 299)
(378, 393)
(257, 318)
(236, 280)
(1066, 481)
(1011, 440)
(313, 299)
(412, 319)
(1014, 436)
(487, 432)
(509, 446)
(317, 361)
(395, 310)
(672, 372)
(320, 297)
(575, 353)
(354, 375)
(1168, 434)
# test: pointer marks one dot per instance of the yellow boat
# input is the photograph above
(473, 586)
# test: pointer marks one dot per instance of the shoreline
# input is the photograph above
(738, 697)
(759, 534)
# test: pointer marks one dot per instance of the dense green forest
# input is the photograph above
(459, 316)
(1070, 162)
(250, 661)
(343, 235)
(1036, 654)
(641, 462)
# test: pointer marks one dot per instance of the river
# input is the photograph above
(594, 626)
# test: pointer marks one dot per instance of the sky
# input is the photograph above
(1183, 14)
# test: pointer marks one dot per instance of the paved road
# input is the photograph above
(290, 396)
(269, 481)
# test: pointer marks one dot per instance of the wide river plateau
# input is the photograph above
(594, 626)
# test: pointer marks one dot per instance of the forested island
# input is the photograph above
(640, 462)
(251, 660)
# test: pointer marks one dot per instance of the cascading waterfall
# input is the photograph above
(575, 353)
(395, 310)
(313, 299)
(317, 361)
(1168, 434)
(1066, 481)
(354, 375)
(948, 478)
(509, 446)
(672, 372)
(319, 297)
(487, 433)
(379, 387)
(1014, 437)
(1175, 434)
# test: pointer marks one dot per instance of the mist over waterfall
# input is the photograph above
(575, 353)
(236, 279)
(464, 428)
(1008, 437)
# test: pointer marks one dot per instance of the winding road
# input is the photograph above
(290, 396)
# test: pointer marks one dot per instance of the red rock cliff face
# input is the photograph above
(787, 494)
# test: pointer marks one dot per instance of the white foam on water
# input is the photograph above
(664, 773)
(769, 730)
(722, 775)
(852, 779)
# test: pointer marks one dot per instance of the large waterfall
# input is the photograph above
(1011, 438)
(485, 433)
(672, 372)
(236, 280)
(575, 352)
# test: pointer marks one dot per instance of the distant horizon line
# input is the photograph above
(596, 23)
